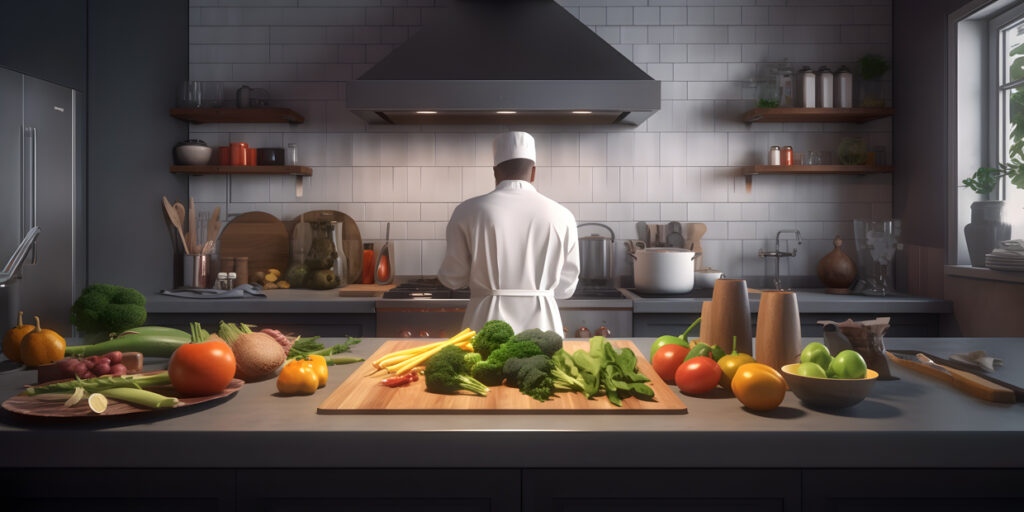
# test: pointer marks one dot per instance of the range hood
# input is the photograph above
(504, 62)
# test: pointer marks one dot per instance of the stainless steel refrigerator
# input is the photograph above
(41, 184)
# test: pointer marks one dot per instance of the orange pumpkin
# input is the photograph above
(13, 338)
(42, 346)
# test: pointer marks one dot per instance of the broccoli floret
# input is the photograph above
(491, 336)
(472, 358)
(105, 308)
(489, 371)
(548, 341)
(532, 375)
(446, 372)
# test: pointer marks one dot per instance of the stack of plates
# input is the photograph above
(1005, 260)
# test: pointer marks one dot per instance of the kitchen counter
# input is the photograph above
(277, 301)
(913, 422)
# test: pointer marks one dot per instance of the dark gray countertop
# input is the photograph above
(911, 422)
(327, 301)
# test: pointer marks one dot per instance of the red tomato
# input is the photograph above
(198, 369)
(698, 375)
(667, 359)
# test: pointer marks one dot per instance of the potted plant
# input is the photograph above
(988, 226)
(871, 68)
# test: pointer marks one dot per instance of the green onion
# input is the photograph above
(103, 383)
(141, 397)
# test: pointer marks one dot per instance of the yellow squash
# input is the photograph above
(42, 346)
(13, 338)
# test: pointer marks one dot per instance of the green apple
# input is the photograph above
(811, 370)
(667, 339)
(848, 364)
(816, 353)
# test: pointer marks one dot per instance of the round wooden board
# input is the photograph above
(260, 236)
(36, 406)
(352, 244)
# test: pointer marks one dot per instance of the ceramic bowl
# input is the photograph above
(828, 393)
(192, 155)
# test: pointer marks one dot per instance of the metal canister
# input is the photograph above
(775, 156)
(787, 155)
(805, 78)
(825, 86)
(597, 254)
(844, 88)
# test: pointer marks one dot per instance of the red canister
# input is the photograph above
(224, 155)
(787, 155)
(250, 156)
(238, 153)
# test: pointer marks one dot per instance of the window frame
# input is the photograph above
(995, 89)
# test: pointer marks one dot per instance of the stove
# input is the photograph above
(702, 293)
(424, 308)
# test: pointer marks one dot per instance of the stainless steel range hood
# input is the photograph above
(504, 62)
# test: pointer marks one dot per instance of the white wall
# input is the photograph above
(683, 164)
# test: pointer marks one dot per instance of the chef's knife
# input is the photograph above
(967, 382)
(1019, 391)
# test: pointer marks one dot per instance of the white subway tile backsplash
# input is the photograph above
(684, 164)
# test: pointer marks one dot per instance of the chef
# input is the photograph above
(516, 249)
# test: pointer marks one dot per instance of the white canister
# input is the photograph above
(844, 88)
(805, 79)
(825, 93)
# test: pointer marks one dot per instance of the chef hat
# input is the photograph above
(510, 145)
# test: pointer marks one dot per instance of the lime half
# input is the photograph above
(98, 403)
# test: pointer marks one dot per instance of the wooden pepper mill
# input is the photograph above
(836, 270)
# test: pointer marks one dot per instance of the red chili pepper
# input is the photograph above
(399, 380)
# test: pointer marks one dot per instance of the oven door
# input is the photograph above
(419, 318)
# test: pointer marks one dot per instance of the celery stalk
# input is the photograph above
(103, 383)
(141, 397)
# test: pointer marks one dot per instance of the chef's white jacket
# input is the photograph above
(517, 251)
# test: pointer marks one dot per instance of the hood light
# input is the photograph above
(506, 112)
(582, 112)
(426, 112)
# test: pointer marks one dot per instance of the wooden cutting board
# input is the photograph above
(365, 290)
(362, 393)
(261, 237)
(352, 244)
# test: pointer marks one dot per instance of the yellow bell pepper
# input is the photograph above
(319, 364)
(298, 377)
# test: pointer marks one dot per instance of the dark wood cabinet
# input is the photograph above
(899, 490)
(379, 490)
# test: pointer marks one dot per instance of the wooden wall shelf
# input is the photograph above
(294, 170)
(817, 169)
(238, 115)
(815, 115)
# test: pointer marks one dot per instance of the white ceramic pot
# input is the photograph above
(706, 278)
(663, 270)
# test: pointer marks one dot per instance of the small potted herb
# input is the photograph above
(988, 227)
(871, 69)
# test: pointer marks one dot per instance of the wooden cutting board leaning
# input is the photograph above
(362, 393)
(259, 236)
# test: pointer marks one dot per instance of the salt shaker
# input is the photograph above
(291, 155)
(844, 88)
(231, 280)
(825, 94)
(775, 156)
(805, 77)
(222, 281)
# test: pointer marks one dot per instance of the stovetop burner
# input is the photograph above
(426, 288)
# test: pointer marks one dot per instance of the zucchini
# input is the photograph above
(152, 341)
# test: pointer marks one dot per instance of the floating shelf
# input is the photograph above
(238, 115)
(817, 169)
(815, 115)
(295, 170)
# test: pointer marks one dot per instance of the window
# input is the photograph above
(1006, 46)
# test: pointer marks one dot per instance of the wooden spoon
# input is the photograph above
(172, 215)
(192, 224)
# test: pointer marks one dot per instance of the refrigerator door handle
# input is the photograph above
(31, 184)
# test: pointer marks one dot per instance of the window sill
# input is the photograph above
(984, 273)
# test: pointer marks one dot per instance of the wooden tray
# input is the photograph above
(261, 237)
(363, 394)
(365, 290)
(34, 406)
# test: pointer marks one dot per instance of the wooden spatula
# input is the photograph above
(172, 215)
(192, 224)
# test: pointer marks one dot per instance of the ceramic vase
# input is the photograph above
(986, 230)
(778, 337)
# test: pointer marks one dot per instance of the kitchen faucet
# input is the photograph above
(778, 255)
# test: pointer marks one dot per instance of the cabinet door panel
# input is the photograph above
(908, 490)
(103, 490)
(379, 490)
(717, 490)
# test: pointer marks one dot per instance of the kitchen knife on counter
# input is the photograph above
(1019, 391)
(967, 382)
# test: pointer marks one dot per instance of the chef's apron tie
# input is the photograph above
(507, 292)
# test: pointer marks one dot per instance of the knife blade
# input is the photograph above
(964, 381)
